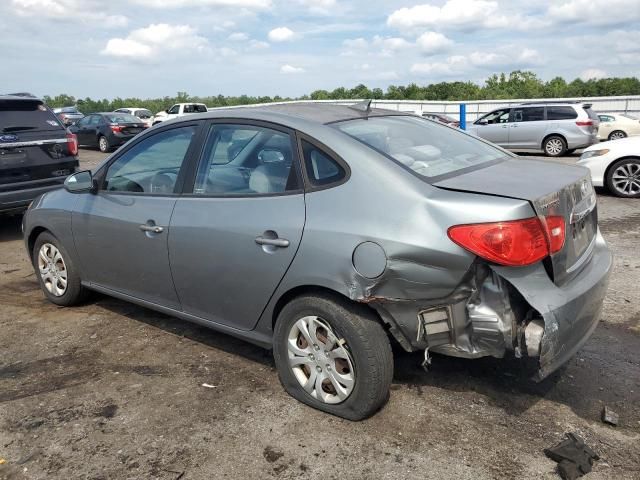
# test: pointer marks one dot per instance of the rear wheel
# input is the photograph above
(56, 271)
(570, 152)
(554, 146)
(333, 356)
(103, 144)
(617, 135)
(623, 178)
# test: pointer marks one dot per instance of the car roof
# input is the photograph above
(318, 113)
(27, 97)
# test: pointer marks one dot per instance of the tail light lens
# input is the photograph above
(512, 243)
(115, 128)
(72, 143)
(586, 123)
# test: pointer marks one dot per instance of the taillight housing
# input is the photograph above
(72, 144)
(115, 128)
(585, 123)
(512, 243)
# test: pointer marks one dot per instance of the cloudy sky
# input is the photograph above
(151, 48)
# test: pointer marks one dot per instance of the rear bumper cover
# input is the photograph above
(571, 311)
(14, 200)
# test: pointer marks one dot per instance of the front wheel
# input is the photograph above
(623, 178)
(617, 135)
(103, 144)
(333, 355)
(56, 272)
(554, 146)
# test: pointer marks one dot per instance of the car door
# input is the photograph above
(121, 231)
(80, 128)
(527, 127)
(606, 126)
(494, 127)
(173, 112)
(235, 235)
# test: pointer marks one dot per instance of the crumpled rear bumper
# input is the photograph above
(571, 311)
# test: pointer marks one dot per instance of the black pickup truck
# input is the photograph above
(37, 152)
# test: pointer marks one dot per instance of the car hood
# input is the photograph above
(629, 142)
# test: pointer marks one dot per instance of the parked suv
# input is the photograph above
(555, 128)
(37, 153)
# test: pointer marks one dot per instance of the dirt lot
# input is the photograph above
(113, 391)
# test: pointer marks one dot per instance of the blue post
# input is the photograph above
(463, 116)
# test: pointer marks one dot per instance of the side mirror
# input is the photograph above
(79, 182)
(482, 121)
(166, 111)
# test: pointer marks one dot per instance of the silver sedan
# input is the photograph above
(323, 232)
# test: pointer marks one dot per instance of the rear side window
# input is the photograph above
(321, 168)
(26, 115)
(561, 113)
(530, 114)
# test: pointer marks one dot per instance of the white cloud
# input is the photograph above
(390, 45)
(356, 43)
(281, 34)
(259, 4)
(322, 7)
(593, 73)
(155, 40)
(258, 45)
(70, 10)
(290, 69)
(431, 43)
(597, 12)
(452, 65)
(238, 37)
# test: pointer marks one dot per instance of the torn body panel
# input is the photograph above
(496, 309)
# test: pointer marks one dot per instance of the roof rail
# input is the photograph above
(21, 94)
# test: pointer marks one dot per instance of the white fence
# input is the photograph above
(476, 108)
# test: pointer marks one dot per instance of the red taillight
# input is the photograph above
(555, 233)
(512, 243)
(586, 123)
(72, 143)
(116, 128)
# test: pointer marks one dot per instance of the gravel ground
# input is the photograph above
(114, 391)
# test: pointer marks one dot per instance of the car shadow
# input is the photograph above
(10, 228)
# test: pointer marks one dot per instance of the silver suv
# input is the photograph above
(555, 128)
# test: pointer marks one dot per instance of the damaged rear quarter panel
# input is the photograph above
(408, 218)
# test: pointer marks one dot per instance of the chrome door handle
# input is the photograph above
(151, 228)
(276, 242)
(514, 126)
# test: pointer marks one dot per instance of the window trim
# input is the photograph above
(308, 185)
(101, 173)
(191, 174)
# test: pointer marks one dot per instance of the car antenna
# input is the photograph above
(363, 106)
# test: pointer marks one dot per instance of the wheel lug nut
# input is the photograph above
(328, 367)
(319, 368)
(316, 347)
(311, 356)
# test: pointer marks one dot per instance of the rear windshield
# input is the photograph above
(427, 148)
(122, 118)
(23, 115)
(143, 114)
(69, 110)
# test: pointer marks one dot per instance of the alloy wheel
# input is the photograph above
(554, 146)
(626, 179)
(617, 135)
(320, 361)
(103, 144)
(53, 270)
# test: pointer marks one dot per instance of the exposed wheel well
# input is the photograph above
(544, 140)
(606, 172)
(35, 233)
(316, 290)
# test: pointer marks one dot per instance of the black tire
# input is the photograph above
(103, 144)
(570, 152)
(617, 134)
(367, 343)
(75, 293)
(633, 167)
(554, 146)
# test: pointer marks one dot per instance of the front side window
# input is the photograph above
(175, 110)
(246, 160)
(152, 165)
(497, 116)
(429, 149)
(95, 120)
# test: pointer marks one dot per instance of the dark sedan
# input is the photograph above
(106, 131)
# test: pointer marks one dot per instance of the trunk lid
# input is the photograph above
(552, 189)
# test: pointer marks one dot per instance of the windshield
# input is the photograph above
(143, 114)
(21, 115)
(425, 147)
(122, 118)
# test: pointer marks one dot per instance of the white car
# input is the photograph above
(615, 165)
(616, 126)
(178, 110)
(143, 114)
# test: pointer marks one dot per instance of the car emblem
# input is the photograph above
(8, 138)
